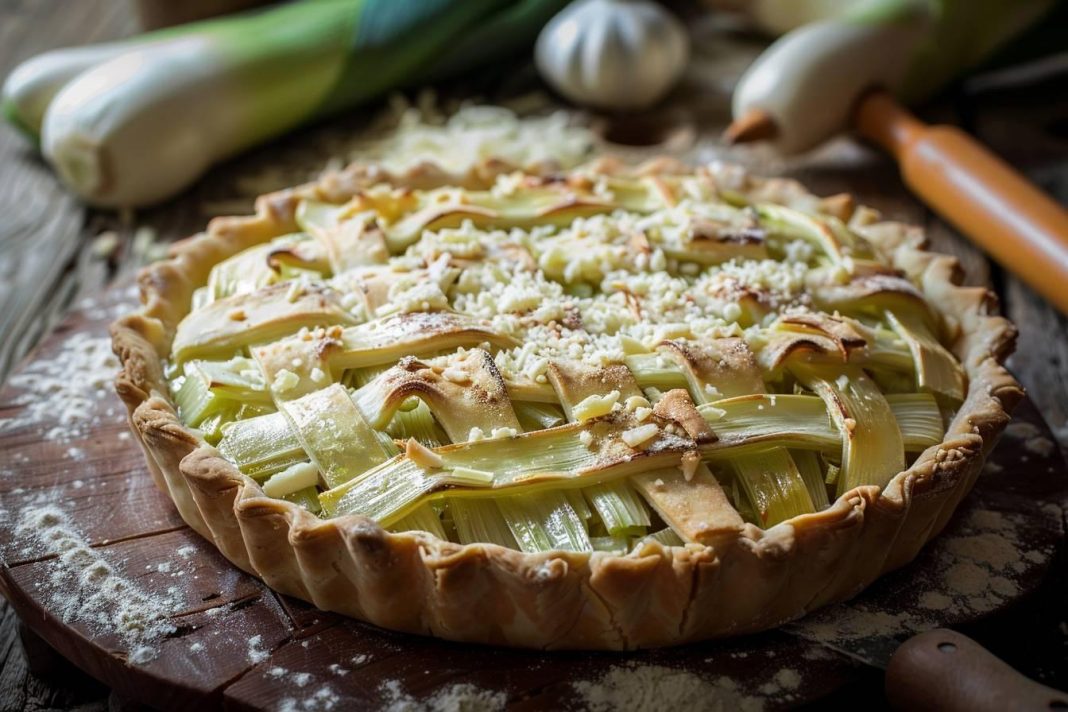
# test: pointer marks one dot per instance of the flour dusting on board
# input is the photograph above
(86, 588)
(636, 688)
(455, 698)
(974, 571)
(63, 392)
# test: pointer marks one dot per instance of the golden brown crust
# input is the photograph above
(743, 579)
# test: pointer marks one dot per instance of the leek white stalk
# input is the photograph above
(31, 87)
(138, 127)
(132, 126)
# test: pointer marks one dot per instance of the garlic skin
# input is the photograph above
(613, 54)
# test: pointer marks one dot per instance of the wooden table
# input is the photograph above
(54, 253)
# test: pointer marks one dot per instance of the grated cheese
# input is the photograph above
(595, 406)
(641, 434)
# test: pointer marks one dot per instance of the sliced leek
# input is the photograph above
(783, 419)
(808, 464)
(918, 418)
(826, 233)
(480, 520)
(308, 498)
(544, 459)
(417, 423)
(619, 507)
(259, 266)
(802, 421)
(579, 503)
(423, 519)
(537, 416)
(334, 434)
(873, 450)
(773, 485)
(208, 387)
(544, 521)
(936, 369)
(656, 371)
(261, 446)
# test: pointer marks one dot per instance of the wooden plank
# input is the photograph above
(24, 687)
(359, 666)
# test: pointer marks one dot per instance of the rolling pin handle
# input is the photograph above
(985, 198)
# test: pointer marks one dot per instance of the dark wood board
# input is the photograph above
(997, 550)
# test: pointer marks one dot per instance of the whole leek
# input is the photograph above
(133, 123)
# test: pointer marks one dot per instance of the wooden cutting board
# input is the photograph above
(113, 545)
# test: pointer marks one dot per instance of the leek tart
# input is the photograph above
(618, 407)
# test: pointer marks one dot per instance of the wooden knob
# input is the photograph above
(946, 671)
(985, 198)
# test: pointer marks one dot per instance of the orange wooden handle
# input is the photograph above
(984, 197)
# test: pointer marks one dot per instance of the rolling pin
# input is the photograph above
(841, 73)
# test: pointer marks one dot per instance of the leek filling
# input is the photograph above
(595, 363)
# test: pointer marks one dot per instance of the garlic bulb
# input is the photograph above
(613, 54)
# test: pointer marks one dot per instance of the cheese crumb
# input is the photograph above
(595, 406)
(641, 434)
(285, 380)
(635, 402)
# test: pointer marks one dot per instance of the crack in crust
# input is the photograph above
(744, 580)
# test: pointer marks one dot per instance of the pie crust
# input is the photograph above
(742, 580)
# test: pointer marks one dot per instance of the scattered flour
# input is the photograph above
(256, 653)
(322, 699)
(974, 568)
(636, 688)
(456, 698)
(1034, 441)
(86, 588)
(64, 392)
